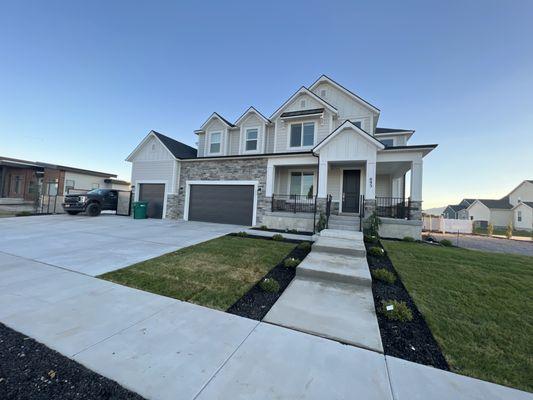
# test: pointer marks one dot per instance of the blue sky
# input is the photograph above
(81, 83)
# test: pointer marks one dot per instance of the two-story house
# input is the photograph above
(320, 152)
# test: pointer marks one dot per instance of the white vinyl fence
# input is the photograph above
(444, 225)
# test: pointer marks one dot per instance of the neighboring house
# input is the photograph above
(23, 181)
(457, 211)
(320, 150)
(523, 216)
(506, 210)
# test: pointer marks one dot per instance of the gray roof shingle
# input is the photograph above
(501, 203)
(178, 149)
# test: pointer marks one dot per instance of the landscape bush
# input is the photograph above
(509, 231)
(384, 275)
(291, 262)
(277, 237)
(304, 246)
(242, 234)
(446, 243)
(23, 214)
(370, 239)
(400, 311)
(490, 229)
(376, 251)
(408, 239)
(269, 285)
(263, 228)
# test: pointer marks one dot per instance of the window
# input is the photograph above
(387, 142)
(214, 144)
(18, 181)
(359, 124)
(323, 93)
(519, 216)
(95, 186)
(302, 104)
(251, 139)
(69, 184)
(302, 183)
(302, 134)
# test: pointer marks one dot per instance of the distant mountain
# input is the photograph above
(434, 211)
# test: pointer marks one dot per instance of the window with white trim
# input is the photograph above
(519, 216)
(215, 142)
(302, 134)
(387, 142)
(301, 183)
(252, 135)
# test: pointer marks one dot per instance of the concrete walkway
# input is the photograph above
(164, 349)
(331, 295)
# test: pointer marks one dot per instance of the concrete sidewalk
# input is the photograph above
(164, 349)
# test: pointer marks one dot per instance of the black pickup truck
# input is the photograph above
(92, 202)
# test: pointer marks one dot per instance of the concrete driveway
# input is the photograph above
(95, 245)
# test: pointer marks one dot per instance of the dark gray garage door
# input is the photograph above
(224, 204)
(154, 194)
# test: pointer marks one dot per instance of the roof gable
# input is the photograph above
(299, 92)
(349, 125)
(325, 78)
(252, 110)
(217, 116)
(174, 148)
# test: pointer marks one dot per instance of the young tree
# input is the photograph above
(490, 229)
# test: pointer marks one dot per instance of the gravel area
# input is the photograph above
(30, 370)
(256, 303)
(485, 243)
(413, 340)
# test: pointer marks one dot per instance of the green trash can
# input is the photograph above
(139, 209)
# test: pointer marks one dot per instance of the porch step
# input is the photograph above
(335, 268)
(350, 228)
(339, 246)
(340, 217)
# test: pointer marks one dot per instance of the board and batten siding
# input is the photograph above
(201, 144)
(347, 107)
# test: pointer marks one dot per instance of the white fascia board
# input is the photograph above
(143, 142)
(303, 90)
(214, 115)
(254, 111)
(349, 125)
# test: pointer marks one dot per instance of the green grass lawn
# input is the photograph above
(214, 274)
(478, 305)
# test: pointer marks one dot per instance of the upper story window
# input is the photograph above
(387, 142)
(252, 135)
(214, 142)
(302, 103)
(302, 134)
(519, 216)
(359, 124)
(323, 93)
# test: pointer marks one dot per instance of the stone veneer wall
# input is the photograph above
(249, 169)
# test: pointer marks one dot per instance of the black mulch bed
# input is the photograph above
(412, 340)
(285, 231)
(30, 370)
(256, 303)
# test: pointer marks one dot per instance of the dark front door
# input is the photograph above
(225, 204)
(351, 184)
(154, 194)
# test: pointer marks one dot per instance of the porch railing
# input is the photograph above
(328, 209)
(393, 207)
(294, 203)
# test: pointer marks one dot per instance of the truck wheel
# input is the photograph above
(73, 212)
(93, 210)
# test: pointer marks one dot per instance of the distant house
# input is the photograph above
(23, 180)
(512, 209)
(457, 211)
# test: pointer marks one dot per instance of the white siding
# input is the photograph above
(269, 148)
(524, 192)
(348, 146)
(153, 150)
(527, 217)
(215, 125)
(152, 171)
(383, 186)
(479, 212)
(501, 217)
(201, 144)
(253, 121)
(322, 130)
(234, 142)
(84, 181)
(347, 107)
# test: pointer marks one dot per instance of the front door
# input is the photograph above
(351, 184)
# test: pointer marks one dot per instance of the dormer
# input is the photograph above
(349, 105)
(392, 137)
(213, 136)
(252, 132)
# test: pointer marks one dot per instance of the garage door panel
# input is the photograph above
(226, 204)
(154, 194)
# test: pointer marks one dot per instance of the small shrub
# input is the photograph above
(446, 243)
(23, 214)
(321, 223)
(376, 251)
(490, 229)
(263, 228)
(277, 237)
(304, 246)
(370, 239)
(269, 285)
(373, 222)
(509, 231)
(242, 234)
(400, 311)
(408, 239)
(384, 275)
(291, 262)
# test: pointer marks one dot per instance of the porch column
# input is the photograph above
(269, 189)
(322, 179)
(416, 181)
(370, 185)
(415, 212)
